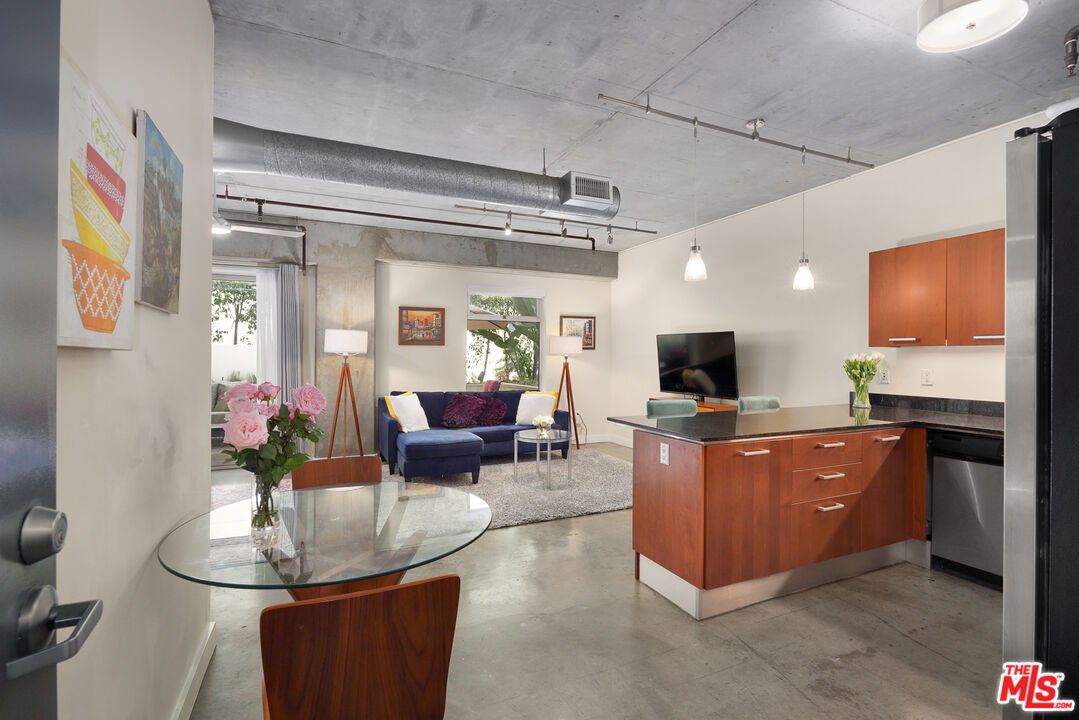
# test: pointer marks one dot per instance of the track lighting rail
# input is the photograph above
(755, 136)
(585, 223)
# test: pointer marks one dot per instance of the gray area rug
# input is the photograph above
(600, 483)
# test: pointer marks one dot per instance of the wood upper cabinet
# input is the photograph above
(747, 502)
(976, 289)
(907, 295)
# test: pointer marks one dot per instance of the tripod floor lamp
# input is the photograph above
(345, 343)
(566, 345)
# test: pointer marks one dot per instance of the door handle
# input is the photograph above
(833, 476)
(988, 337)
(749, 453)
(888, 438)
(910, 339)
(831, 445)
(39, 619)
(830, 508)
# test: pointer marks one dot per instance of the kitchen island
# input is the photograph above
(731, 509)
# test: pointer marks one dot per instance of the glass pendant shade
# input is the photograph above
(803, 279)
(695, 269)
(951, 25)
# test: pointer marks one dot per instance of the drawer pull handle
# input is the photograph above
(748, 453)
(988, 337)
(833, 476)
(830, 508)
(831, 445)
(902, 339)
(888, 438)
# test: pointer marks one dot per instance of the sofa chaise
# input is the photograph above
(443, 451)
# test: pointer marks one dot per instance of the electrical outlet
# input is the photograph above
(664, 454)
(883, 376)
(927, 376)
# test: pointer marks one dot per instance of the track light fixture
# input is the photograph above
(803, 277)
(509, 219)
(695, 269)
(610, 236)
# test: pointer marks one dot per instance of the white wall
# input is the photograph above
(791, 343)
(443, 368)
(132, 439)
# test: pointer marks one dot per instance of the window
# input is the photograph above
(504, 334)
(233, 325)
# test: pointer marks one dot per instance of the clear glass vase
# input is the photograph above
(265, 516)
(543, 431)
(861, 395)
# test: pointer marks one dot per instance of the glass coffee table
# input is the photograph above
(554, 440)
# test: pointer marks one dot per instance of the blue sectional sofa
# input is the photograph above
(442, 450)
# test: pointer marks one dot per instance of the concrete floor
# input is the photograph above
(552, 625)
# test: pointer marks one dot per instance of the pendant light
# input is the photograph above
(951, 25)
(695, 269)
(803, 278)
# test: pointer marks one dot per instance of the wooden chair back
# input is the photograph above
(376, 654)
(337, 471)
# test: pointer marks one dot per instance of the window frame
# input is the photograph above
(538, 318)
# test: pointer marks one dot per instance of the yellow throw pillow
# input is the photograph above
(533, 404)
(408, 412)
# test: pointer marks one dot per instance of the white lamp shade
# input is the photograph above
(803, 279)
(950, 25)
(695, 269)
(564, 345)
(346, 342)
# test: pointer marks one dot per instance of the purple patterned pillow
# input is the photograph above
(464, 410)
(494, 412)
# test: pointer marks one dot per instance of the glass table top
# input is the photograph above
(329, 535)
(534, 436)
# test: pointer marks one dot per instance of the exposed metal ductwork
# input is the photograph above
(242, 148)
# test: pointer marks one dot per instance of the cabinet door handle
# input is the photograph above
(988, 337)
(831, 445)
(830, 508)
(833, 476)
(903, 339)
(888, 438)
(748, 453)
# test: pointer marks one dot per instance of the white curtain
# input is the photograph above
(289, 349)
(267, 320)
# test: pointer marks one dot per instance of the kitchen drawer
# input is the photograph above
(819, 532)
(826, 482)
(818, 451)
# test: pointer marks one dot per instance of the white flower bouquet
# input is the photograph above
(860, 368)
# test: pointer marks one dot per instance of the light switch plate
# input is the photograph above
(883, 376)
(927, 376)
(664, 454)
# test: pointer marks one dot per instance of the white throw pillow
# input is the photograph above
(533, 404)
(408, 411)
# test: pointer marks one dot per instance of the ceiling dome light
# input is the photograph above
(803, 279)
(695, 269)
(950, 25)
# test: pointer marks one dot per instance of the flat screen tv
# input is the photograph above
(701, 364)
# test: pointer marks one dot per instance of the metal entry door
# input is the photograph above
(30, 531)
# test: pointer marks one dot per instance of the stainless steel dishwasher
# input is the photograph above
(967, 503)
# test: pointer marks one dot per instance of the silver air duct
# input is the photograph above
(244, 149)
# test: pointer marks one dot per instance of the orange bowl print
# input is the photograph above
(98, 283)
(97, 228)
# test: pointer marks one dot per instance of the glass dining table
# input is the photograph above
(329, 536)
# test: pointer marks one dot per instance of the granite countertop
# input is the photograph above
(720, 426)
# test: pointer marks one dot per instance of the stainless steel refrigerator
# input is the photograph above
(1041, 436)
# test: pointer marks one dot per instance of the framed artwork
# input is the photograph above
(421, 326)
(582, 326)
(160, 205)
(96, 220)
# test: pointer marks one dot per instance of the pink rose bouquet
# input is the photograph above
(264, 434)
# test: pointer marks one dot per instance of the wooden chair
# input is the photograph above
(337, 471)
(377, 654)
(349, 470)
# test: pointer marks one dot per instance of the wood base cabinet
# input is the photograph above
(825, 529)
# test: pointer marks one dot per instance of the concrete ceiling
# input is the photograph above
(496, 82)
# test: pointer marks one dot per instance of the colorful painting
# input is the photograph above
(95, 221)
(421, 326)
(582, 326)
(161, 190)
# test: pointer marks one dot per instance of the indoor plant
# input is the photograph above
(264, 438)
(860, 368)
